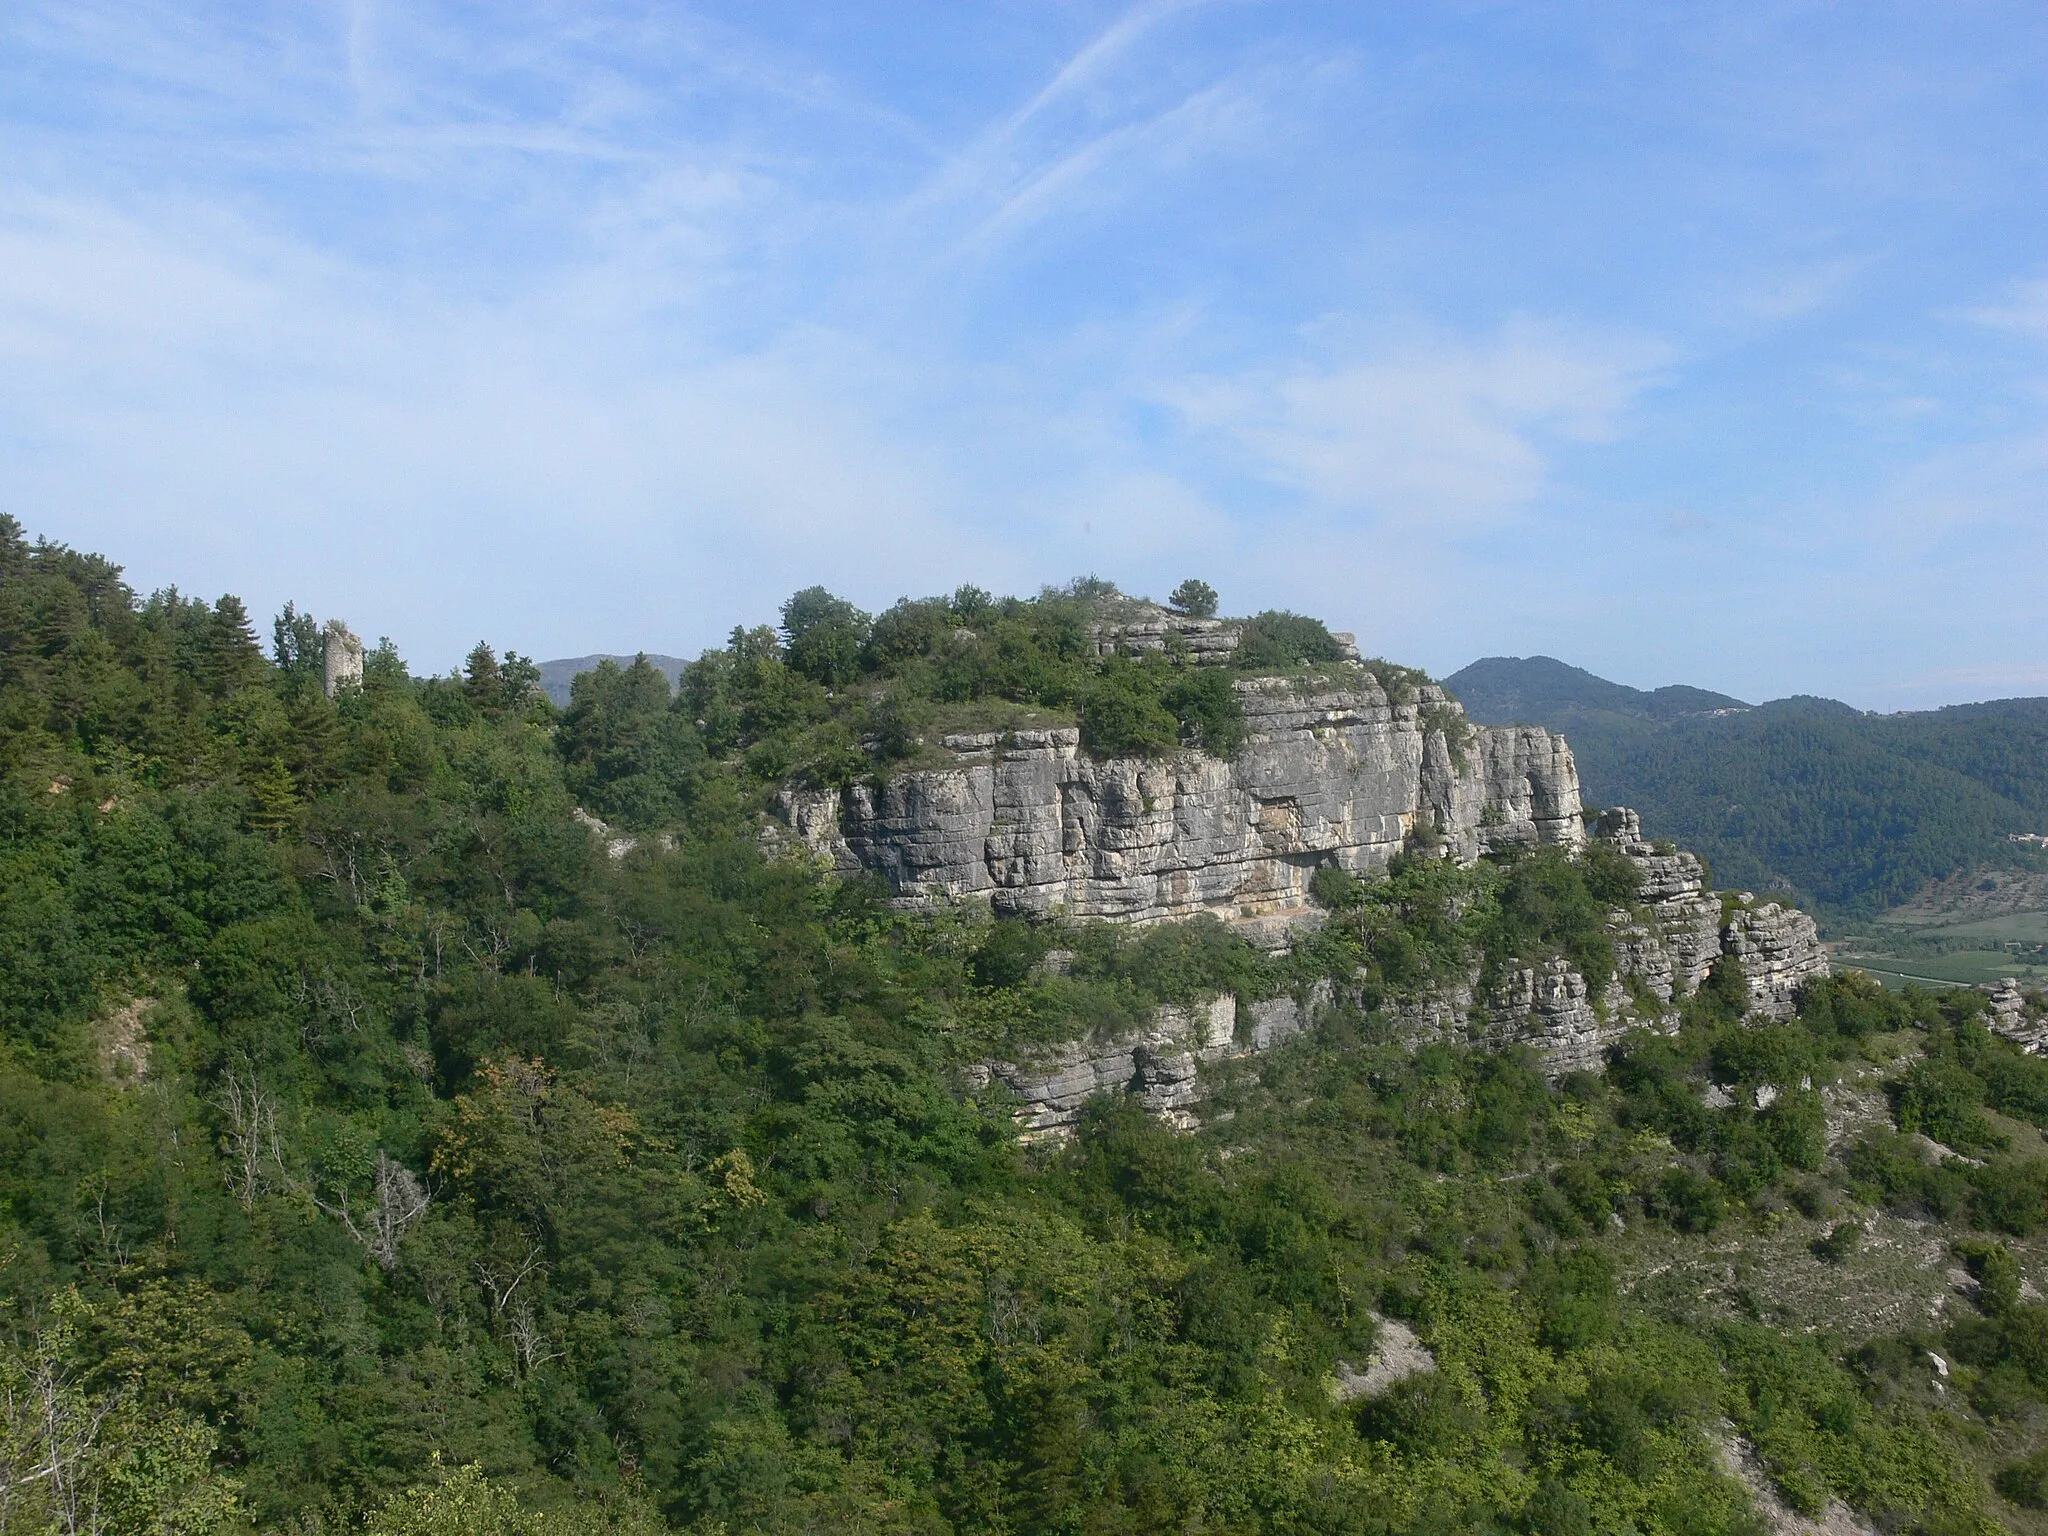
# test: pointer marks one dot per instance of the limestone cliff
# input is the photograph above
(1161, 1063)
(1688, 928)
(1334, 773)
(1664, 949)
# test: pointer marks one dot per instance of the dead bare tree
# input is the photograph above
(255, 1153)
(399, 1199)
(502, 1281)
(529, 1344)
(49, 1432)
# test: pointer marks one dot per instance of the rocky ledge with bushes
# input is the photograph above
(1343, 773)
(1339, 773)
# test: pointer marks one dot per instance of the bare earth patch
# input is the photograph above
(1396, 1355)
(1739, 1460)
(123, 1042)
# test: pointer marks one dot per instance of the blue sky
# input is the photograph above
(1687, 343)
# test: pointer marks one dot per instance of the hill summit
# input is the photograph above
(1851, 812)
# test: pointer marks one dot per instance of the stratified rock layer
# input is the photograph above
(1160, 1063)
(1330, 774)
(2019, 1018)
(1688, 928)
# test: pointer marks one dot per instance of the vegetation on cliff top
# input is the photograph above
(835, 695)
(374, 1144)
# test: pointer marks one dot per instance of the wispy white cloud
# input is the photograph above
(608, 324)
(2024, 312)
(1442, 435)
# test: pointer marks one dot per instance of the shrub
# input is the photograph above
(1887, 1169)
(1122, 715)
(1839, 1244)
(1334, 889)
(1008, 951)
(1687, 1201)
(1276, 641)
(2009, 1196)
(2025, 1483)
(1996, 1272)
(1939, 1099)
(1206, 705)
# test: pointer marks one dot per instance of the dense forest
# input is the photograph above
(1847, 811)
(381, 1149)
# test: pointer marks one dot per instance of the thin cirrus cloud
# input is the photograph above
(1447, 435)
(602, 326)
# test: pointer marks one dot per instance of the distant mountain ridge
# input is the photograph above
(556, 677)
(1511, 689)
(1851, 812)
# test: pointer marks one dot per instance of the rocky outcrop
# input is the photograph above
(1161, 1063)
(341, 658)
(1663, 950)
(1550, 1008)
(1134, 627)
(1672, 948)
(1146, 627)
(1441, 1012)
(2015, 1017)
(1397, 1354)
(1330, 774)
(1780, 952)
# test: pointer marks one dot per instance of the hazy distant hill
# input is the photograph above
(1507, 689)
(1851, 811)
(556, 676)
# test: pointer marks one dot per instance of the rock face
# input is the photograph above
(1144, 627)
(341, 658)
(1160, 1064)
(2016, 1017)
(1550, 1008)
(1335, 774)
(1332, 774)
(1686, 932)
(1780, 951)
(1673, 950)
(1662, 951)
(1397, 1354)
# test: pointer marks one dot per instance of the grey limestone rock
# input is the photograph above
(1330, 774)
(1441, 1012)
(1673, 951)
(1160, 1063)
(341, 658)
(1780, 951)
(1141, 627)
(1550, 1008)
(2014, 1017)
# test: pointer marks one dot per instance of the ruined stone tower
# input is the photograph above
(344, 658)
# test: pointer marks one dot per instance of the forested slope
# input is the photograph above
(1852, 812)
(362, 1119)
